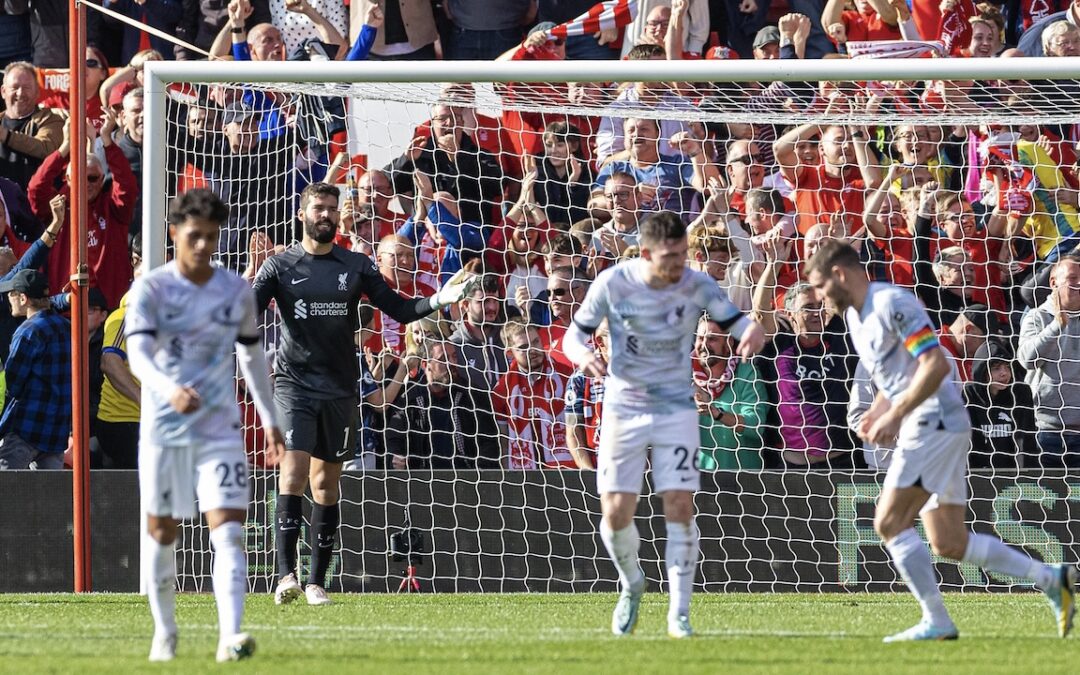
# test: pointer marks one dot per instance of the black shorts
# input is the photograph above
(323, 427)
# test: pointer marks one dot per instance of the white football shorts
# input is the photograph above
(170, 479)
(933, 459)
(625, 442)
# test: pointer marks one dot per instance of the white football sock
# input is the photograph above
(622, 545)
(912, 559)
(681, 557)
(160, 561)
(990, 553)
(230, 576)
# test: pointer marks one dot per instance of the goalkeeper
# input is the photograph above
(317, 285)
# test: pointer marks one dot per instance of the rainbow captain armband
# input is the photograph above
(920, 341)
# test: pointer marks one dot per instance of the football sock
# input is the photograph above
(911, 557)
(324, 527)
(230, 576)
(289, 515)
(681, 557)
(622, 545)
(160, 561)
(990, 553)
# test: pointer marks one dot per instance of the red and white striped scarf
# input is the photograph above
(895, 49)
(601, 16)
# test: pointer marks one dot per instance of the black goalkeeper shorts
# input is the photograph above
(324, 428)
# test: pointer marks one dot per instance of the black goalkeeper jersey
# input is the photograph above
(317, 297)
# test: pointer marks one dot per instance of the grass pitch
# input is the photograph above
(737, 633)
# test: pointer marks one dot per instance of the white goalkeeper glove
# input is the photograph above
(459, 286)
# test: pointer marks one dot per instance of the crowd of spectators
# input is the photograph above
(980, 221)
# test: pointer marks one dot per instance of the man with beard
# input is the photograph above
(732, 403)
(529, 402)
(918, 408)
(317, 286)
(477, 335)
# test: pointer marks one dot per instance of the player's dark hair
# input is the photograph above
(197, 204)
(830, 254)
(660, 227)
(318, 189)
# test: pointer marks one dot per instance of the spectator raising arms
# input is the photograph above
(111, 205)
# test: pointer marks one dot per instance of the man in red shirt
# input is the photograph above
(836, 186)
(871, 20)
(529, 402)
(108, 217)
(958, 227)
(566, 288)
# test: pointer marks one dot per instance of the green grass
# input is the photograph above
(816, 634)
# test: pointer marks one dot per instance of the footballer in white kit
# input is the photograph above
(652, 305)
(185, 320)
(919, 411)
(194, 328)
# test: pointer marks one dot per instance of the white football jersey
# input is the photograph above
(652, 334)
(890, 333)
(195, 329)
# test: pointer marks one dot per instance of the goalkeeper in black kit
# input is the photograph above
(317, 286)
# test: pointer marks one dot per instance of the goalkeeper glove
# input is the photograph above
(460, 286)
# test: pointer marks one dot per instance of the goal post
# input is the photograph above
(766, 526)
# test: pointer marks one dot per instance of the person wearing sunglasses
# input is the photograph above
(566, 289)
(110, 207)
(97, 70)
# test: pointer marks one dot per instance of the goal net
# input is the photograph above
(954, 178)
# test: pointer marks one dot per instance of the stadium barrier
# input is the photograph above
(536, 531)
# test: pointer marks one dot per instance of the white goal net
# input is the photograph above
(956, 179)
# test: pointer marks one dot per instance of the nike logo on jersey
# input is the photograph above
(343, 453)
(299, 281)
